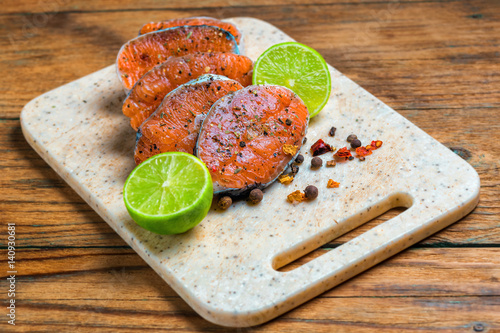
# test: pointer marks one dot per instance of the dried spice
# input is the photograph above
(316, 162)
(299, 159)
(290, 149)
(225, 202)
(374, 145)
(285, 179)
(320, 147)
(255, 196)
(355, 143)
(351, 137)
(331, 163)
(332, 131)
(311, 192)
(332, 184)
(296, 196)
(363, 151)
(343, 153)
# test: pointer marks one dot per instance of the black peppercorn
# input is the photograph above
(288, 122)
(225, 202)
(316, 162)
(242, 144)
(311, 192)
(332, 131)
(351, 158)
(294, 169)
(255, 196)
(351, 137)
(355, 143)
(299, 159)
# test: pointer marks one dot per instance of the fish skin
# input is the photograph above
(200, 20)
(139, 55)
(149, 91)
(251, 116)
(173, 126)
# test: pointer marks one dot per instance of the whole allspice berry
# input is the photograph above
(316, 162)
(255, 196)
(351, 137)
(299, 159)
(225, 202)
(355, 143)
(311, 192)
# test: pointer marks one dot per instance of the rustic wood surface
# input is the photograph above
(437, 62)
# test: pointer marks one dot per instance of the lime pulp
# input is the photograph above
(169, 193)
(299, 68)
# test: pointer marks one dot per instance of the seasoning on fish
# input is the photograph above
(142, 53)
(255, 115)
(149, 91)
(174, 126)
(155, 26)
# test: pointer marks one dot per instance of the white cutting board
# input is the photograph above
(225, 268)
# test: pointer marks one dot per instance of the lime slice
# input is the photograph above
(169, 193)
(299, 68)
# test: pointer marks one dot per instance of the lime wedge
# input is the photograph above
(169, 193)
(299, 68)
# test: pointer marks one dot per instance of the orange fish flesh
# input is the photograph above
(149, 91)
(139, 55)
(155, 26)
(174, 126)
(249, 137)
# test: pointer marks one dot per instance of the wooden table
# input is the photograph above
(437, 62)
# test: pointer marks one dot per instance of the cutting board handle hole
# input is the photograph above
(358, 224)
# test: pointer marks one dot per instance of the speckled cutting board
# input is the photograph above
(226, 267)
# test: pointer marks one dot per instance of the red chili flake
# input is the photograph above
(363, 151)
(377, 144)
(374, 145)
(343, 152)
(320, 148)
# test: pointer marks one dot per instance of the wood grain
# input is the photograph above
(105, 288)
(437, 62)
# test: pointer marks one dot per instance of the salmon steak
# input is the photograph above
(174, 126)
(249, 137)
(148, 93)
(155, 26)
(139, 55)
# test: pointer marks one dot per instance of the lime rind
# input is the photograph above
(298, 67)
(169, 193)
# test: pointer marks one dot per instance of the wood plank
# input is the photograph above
(412, 314)
(105, 288)
(434, 61)
(450, 61)
(56, 6)
(472, 271)
(49, 213)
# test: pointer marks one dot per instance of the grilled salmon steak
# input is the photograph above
(155, 26)
(249, 137)
(148, 92)
(139, 55)
(174, 126)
